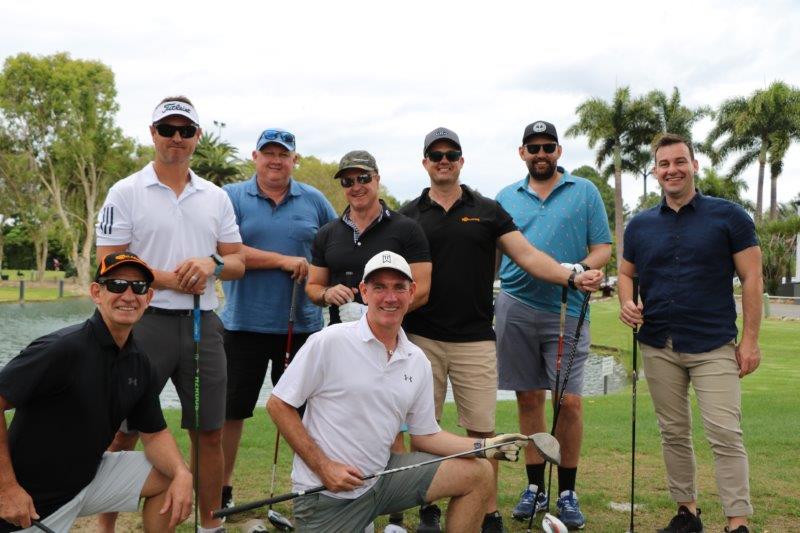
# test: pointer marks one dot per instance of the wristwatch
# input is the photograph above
(220, 264)
(571, 281)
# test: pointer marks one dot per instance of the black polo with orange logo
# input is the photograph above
(462, 242)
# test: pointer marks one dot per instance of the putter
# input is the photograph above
(275, 518)
(196, 335)
(545, 444)
(635, 378)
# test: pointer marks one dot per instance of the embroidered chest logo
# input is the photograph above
(133, 382)
(470, 219)
(408, 378)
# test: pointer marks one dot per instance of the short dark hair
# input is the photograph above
(667, 139)
(179, 98)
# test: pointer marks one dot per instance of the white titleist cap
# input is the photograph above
(174, 107)
(387, 259)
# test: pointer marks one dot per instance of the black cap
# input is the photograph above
(540, 127)
(118, 259)
(440, 134)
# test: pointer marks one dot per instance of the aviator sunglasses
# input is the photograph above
(451, 155)
(363, 179)
(118, 286)
(168, 130)
(549, 148)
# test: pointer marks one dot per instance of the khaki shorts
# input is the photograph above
(116, 487)
(472, 369)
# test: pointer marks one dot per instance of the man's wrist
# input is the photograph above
(571, 281)
(322, 297)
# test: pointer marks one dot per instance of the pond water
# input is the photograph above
(22, 323)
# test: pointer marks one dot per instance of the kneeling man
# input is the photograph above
(361, 381)
(71, 390)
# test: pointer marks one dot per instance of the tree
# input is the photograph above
(711, 183)
(606, 192)
(62, 114)
(216, 160)
(752, 127)
(778, 239)
(612, 125)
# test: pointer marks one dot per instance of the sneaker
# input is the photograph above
(429, 517)
(394, 528)
(493, 523)
(684, 522)
(569, 510)
(530, 501)
(740, 529)
(227, 496)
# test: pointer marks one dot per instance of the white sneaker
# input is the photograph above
(394, 528)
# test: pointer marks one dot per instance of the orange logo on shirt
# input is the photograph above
(470, 219)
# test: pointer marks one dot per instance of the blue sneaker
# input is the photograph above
(530, 501)
(569, 510)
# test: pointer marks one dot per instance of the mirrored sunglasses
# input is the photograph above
(363, 179)
(118, 286)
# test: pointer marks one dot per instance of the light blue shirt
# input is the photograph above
(259, 301)
(564, 225)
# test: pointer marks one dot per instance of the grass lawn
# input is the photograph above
(771, 427)
(35, 291)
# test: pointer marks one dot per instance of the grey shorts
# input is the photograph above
(527, 348)
(169, 345)
(392, 493)
(116, 487)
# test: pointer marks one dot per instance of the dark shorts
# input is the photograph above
(247, 355)
(390, 494)
(169, 344)
(527, 348)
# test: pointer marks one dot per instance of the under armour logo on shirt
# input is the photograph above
(406, 377)
(133, 381)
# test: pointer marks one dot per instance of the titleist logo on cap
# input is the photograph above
(175, 108)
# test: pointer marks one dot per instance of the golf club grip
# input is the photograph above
(196, 318)
(636, 289)
(41, 526)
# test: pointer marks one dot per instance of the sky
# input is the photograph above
(379, 75)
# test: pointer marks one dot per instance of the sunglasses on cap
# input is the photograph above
(363, 179)
(451, 155)
(168, 130)
(548, 148)
(271, 135)
(118, 286)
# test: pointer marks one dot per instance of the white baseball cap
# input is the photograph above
(387, 259)
(175, 107)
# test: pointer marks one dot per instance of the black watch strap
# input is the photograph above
(585, 266)
(571, 281)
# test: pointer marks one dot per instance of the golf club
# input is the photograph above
(545, 444)
(635, 378)
(275, 518)
(559, 355)
(196, 334)
(41, 526)
(560, 396)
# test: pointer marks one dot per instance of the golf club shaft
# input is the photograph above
(196, 335)
(633, 401)
(41, 526)
(292, 495)
(573, 350)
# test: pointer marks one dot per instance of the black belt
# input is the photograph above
(170, 312)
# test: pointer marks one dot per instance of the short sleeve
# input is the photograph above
(40, 370)
(504, 222)
(416, 246)
(628, 240)
(326, 211)
(742, 230)
(146, 416)
(114, 225)
(304, 375)
(229, 230)
(421, 417)
(231, 192)
(599, 232)
(319, 245)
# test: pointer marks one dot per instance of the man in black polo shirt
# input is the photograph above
(686, 251)
(454, 328)
(75, 386)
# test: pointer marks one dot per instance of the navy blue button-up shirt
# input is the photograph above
(685, 264)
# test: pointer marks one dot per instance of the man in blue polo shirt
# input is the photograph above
(562, 215)
(278, 218)
(686, 251)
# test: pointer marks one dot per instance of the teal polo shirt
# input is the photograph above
(564, 225)
(259, 301)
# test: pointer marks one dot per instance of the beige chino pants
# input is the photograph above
(714, 376)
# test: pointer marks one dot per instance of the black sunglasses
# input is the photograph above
(118, 286)
(363, 179)
(549, 148)
(451, 155)
(168, 130)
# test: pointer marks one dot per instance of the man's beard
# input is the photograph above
(543, 175)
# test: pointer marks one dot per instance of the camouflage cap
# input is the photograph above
(357, 159)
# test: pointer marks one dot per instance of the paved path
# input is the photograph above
(777, 310)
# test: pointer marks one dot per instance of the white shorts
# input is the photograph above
(116, 487)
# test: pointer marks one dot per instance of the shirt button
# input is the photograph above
(358, 243)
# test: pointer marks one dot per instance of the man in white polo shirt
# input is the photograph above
(184, 227)
(360, 381)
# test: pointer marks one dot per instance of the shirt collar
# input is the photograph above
(697, 198)
(566, 177)
(251, 187)
(384, 213)
(102, 334)
(401, 351)
(150, 178)
(425, 202)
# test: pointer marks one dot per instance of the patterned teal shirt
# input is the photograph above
(571, 219)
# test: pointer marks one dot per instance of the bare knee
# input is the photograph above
(571, 407)
(530, 402)
(211, 438)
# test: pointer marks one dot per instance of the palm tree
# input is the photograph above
(216, 160)
(612, 125)
(750, 127)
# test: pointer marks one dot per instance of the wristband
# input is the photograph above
(324, 303)
(571, 281)
(478, 445)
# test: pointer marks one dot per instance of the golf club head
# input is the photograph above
(551, 524)
(280, 522)
(254, 525)
(547, 446)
